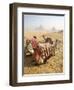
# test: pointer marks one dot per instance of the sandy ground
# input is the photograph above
(54, 63)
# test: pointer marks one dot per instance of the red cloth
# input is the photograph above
(37, 52)
(34, 43)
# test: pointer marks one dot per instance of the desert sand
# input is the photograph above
(54, 63)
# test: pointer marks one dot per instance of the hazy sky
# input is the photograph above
(46, 22)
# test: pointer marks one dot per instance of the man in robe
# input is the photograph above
(37, 52)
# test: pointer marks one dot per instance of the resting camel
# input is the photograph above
(47, 49)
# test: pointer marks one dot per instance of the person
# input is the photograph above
(29, 46)
(34, 42)
(37, 52)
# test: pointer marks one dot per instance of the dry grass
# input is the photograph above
(54, 64)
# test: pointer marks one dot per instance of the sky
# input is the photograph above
(43, 22)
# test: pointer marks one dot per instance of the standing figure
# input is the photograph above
(37, 52)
